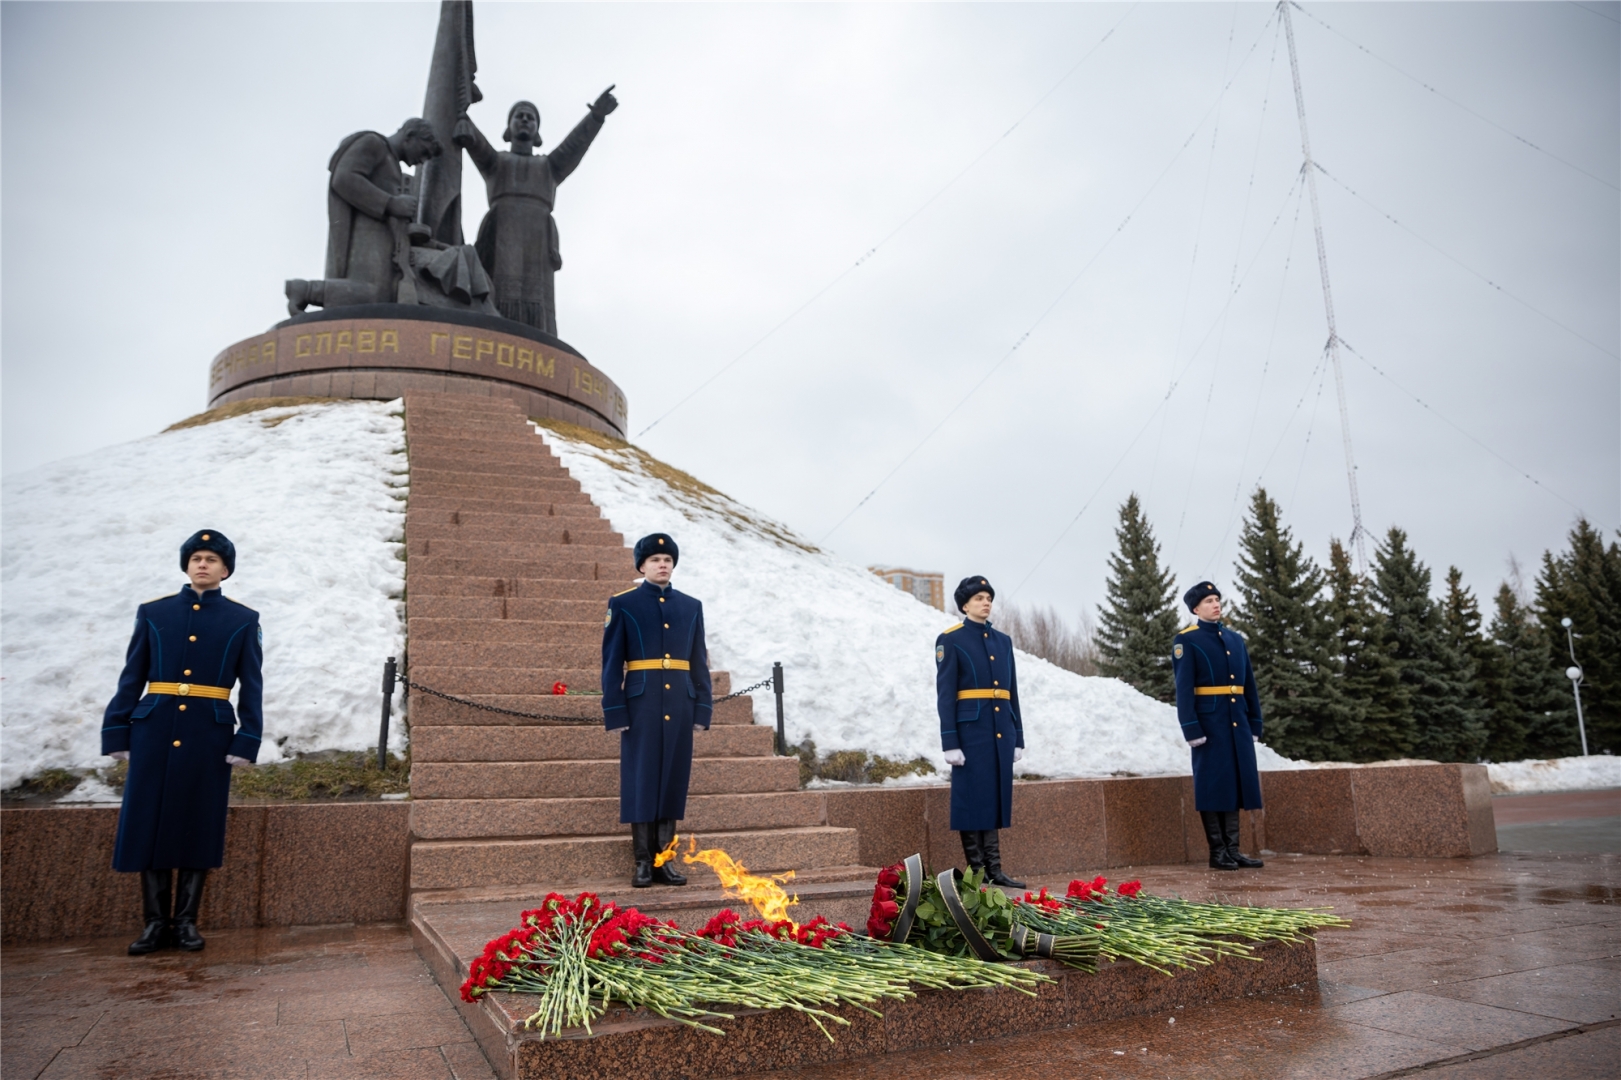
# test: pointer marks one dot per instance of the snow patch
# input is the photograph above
(1555, 774)
(858, 653)
(311, 495)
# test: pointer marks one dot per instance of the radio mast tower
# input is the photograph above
(1310, 167)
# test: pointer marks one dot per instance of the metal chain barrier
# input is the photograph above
(555, 718)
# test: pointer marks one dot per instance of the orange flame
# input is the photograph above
(669, 851)
(765, 894)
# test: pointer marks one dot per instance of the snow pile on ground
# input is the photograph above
(858, 653)
(313, 498)
(1556, 774)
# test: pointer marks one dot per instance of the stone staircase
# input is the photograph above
(510, 569)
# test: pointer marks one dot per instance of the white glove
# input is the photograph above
(697, 728)
(1018, 753)
(1255, 738)
(955, 757)
(232, 759)
(1197, 742)
(119, 755)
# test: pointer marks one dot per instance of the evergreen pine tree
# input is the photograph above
(1436, 676)
(1139, 620)
(1532, 712)
(1285, 621)
(1584, 585)
(1370, 682)
(1460, 622)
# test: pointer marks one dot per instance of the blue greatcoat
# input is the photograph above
(1224, 773)
(179, 782)
(978, 657)
(654, 710)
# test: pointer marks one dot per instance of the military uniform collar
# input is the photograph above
(662, 590)
(209, 597)
(1206, 624)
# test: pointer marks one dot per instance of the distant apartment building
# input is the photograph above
(927, 587)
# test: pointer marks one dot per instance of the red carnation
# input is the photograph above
(559, 688)
(1129, 889)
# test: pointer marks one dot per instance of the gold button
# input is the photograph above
(192, 638)
(186, 672)
(998, 734)
(177, 742)
(196, 607)
(182, 709)
(666, 656)
(995, 683)
(993, 658)
(661, 599)
(666, 686)
(666, 626)
(999, 709)
(1235, 725)
(205, 536)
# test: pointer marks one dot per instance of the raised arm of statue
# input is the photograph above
(352, 170)
(566, 158)
(470, 138)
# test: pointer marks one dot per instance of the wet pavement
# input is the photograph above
(1504, 965)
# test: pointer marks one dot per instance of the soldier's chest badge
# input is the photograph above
(939, 654)
(1177, 651)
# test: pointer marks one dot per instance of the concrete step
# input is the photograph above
(484, 485)
(516, 529)
(586, 631)
(453, 506)
(495, 608)
(433, 743)
(573, 551)
(468, 819)
(428, 403)
(465, 426)
(514, 586)
(460, 864)
(427, 710)
(589, 779)
(615, 569)
(474, 655)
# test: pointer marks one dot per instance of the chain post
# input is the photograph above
(776, 688)
(389, 670)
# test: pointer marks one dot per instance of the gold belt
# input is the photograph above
(966, 695)
(189, 689)
(1207, 691)
(658, 665)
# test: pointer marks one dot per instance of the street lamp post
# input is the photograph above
(1574, 674)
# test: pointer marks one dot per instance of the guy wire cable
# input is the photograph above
(870, 252)
(1453, 258)
(1454, 101)
(1061, 294)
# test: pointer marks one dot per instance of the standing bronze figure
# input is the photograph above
(517, 241)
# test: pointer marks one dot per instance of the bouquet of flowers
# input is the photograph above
(579, 955)
(959, 915)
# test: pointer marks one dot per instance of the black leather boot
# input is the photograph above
(641, 843)
(667, 874)
(971, 851)
(155, 910)
(1229, 831)
(991, 844)
(1217, 839)
(188, 898)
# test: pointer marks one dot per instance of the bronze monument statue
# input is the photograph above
(517, 241)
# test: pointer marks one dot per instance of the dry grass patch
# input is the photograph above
(242, 408)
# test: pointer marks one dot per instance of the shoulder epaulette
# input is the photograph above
(953, 628)
(165, 596)
(1186, 629)
(633, 588)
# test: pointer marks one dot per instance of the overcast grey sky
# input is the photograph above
(164, 171)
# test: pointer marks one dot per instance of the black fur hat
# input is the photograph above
(968, 587)
(1194, 595)
(209, 540)
(656, 544)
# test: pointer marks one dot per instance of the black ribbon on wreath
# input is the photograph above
(914, 892)
(947, 881)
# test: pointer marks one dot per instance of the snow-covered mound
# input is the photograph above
(858, 653)
(313, 498)
(1556, 774)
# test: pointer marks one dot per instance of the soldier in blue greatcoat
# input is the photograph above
(656, 693)
(1219, 709)
(181, 736)
(980, 729)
